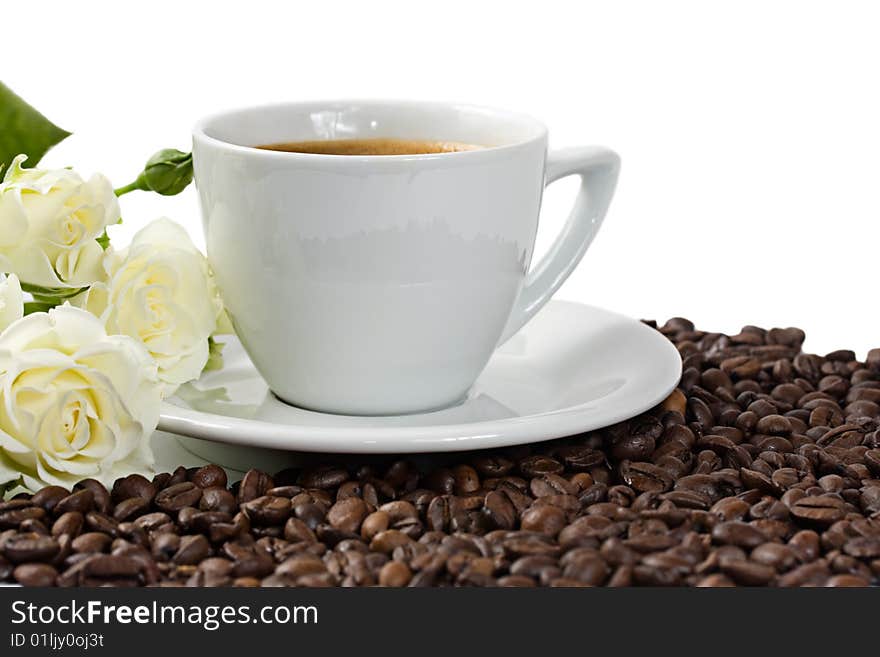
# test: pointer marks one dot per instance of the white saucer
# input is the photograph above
(572, 369)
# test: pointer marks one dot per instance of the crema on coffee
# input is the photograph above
(375, 146)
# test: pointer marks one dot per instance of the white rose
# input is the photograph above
(49, 223)
(74, 402)
(160, 291)
(11, 301)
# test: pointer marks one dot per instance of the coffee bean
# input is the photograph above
(818, 510)
(81, 501)
(91, 542)
(176, 497)
(209, 476)
(347, 515)
(761, 468)
(29, 547)
(775, 424)
(131, 508)
(35, 574)
(645, 477)
(500, 510)
(15, 517)
(325, 477)
(48, 497)
(107, 569)
(192, 550)
(534, 466)
(809, 574)
(847, 581)
(268, 510)
(778, 556)
(633, 447)
(863, 547)
(296, 531)
(395, 573)
(100, 495)
(730, 508)
(254, 484)
(374, 523)
(70, 523)
(466, 479)
(133, 486)
(748, 573)
(543, 519)
(218, 499)
(493, 465)
(388, 540)
(737, 533)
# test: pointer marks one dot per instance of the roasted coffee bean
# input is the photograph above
(35, 574)
(633, 447)
(81, 501)
(325, 477)
(348, 514)
(818, 510)
(500, 510)
(92, 542)
(847, 580)
(130, 508)
(544, 519)
(254, 484)
(15, 517)
(645, 477)
(748, 573)
(218, 499)
(133, 486)
(738, 533)
(70, 523)
(48, 497)
(863, 547)
(534, 466)
(178, 496)
(466, 479)
(778, 556)
(29, 547)
(493, 465)
(376, 522)
(388, 540)
(395, 573)
(100, 495)
(165, 545)
(110, 569)
(268, 510)
(296, 531)
(761, 468)
(192, 550)
(209, 476)
(730, 508)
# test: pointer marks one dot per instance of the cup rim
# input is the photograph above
(539, 131)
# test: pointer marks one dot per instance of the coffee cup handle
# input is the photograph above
(598, 169)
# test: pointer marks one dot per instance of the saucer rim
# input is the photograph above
(517, 430)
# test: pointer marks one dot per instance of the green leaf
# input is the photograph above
(31, 307)
(104, 239)
(51, 296)
(24, 130)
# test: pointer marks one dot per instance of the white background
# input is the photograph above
(749, 131)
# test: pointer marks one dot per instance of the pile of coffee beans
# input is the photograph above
(761, 469)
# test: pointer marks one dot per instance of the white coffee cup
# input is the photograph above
(379, 285)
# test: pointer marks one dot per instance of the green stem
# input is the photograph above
(137, 184)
